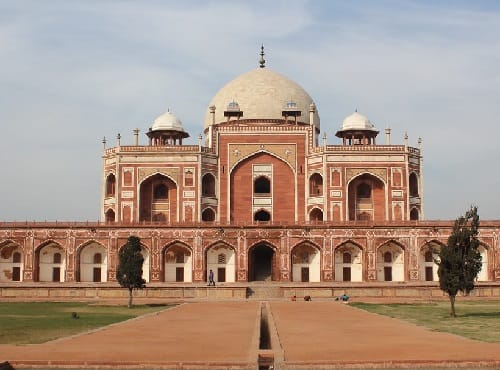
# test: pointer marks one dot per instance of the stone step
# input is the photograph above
(259, 292)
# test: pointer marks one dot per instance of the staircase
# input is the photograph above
(264, 291)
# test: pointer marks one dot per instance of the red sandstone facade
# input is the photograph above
(263, 197)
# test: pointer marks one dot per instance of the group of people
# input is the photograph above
(344, 298)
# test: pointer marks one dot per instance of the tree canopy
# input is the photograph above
(459, 260)
(129, 271)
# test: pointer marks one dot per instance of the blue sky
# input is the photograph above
(72, 72)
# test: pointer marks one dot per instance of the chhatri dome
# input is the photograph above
(357, 129)
(167, 121)
(166, 129)
(261, 94)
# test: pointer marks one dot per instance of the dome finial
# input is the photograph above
(262, 61)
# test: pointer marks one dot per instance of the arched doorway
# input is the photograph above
(178, 263)
(93, 263)
(390, 262)
(349, 262)
(221, 260)
(262, 263)
(306, 263)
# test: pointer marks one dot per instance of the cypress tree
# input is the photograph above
(129, 271)
(459, 260)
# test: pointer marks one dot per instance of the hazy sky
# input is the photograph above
(72, 72)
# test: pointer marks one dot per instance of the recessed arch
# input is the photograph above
(208, 215)
(414, 214)
(316, 214)
(11, 261)
(208, 185)
(262, 185)
(50, 262)
(315, 185)
(110, 185)
(262, 215)
(483, 274)
(390, 261)
(413, 185)
(91, 262)
(348, 261)
(158, 198)
(110, 215)
(306, 262)
(366, 198)
(177, 262)
(224, 269)
(262, 263)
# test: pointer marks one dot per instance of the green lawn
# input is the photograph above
(38, 322)
(478, 320)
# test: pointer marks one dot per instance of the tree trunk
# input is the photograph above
(452, 306)
(130, 297)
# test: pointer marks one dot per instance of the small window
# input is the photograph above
(188, 178)
(364, 190)
(16, 257)
(262, 185)
(160, 191)
(110, 185)
(315, 185)
(428, 257)
(413, 185)
(179, 257)
(388, 257)
(110, 215)
(208, 185)
(346, 257)
(208, 215)
(97, 258)
(221, 258)
(57, 258)
(414, 214)
(262, 216)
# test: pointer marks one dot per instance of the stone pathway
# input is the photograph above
(307, 335)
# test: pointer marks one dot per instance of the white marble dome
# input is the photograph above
(357, 121)
(261, 94)
(167, 121)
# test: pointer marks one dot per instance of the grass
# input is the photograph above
(479, 320)
(38, 322)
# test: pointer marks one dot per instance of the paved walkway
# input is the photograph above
(226, 335)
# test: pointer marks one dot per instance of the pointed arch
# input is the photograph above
(110, 215)
(91, 262)
(110, 185)
(262, 262)
(305, 259)
(11, 261)
(484, 250)
(50, 262)
(208, 184)
(390, 259)
(177, 262)
(262, 215)
(224, 268)
(316, 214)
(366, 197)
(158, 198)
(208, 214)
(315, 185)
(413, 185)
(428, 254)
(348, 258)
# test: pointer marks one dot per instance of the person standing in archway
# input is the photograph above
(211, 280)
